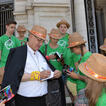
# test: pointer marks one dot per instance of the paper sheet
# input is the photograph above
(51, 76)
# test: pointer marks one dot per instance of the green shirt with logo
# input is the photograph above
(6, 43)
(63, 42)
(50, 51)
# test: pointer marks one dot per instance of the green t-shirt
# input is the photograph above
(24, 41)
(102, 99)
(76, 58)
(63, 42)
(5, 44)
(51, 51)
(81, 84)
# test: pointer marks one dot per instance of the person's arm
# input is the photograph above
(43, 75)
(3, 103)
(76, 76)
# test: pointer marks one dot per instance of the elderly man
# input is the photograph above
(27, 70)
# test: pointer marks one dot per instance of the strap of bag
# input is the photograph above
(45, 49)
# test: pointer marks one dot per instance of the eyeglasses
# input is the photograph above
(40, 40)
(21, 32)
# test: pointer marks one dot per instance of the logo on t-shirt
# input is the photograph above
(9, 44)
(62, 43)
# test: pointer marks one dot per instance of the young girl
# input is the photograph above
(21, 31)
(51, 50)
(63, 26)
(103, 48)
(95, 70)
(77, 46)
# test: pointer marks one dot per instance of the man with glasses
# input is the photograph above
(27, 71)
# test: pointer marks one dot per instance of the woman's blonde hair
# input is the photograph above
(94, 90)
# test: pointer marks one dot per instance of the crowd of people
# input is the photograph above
(39, 70)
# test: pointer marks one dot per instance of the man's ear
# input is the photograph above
(7, 26)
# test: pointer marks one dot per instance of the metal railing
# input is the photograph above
(91, 25)
(6, 12)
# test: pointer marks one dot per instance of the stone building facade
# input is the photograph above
(48, 12)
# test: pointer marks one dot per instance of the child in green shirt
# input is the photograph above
(21, 31)
(53, 48)
(63, 26)
(53, 53)
(77, 46)
(94, 68)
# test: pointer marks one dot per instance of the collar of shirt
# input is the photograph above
(31, 50)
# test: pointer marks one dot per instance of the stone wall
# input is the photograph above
(42, 12)
(80, 18)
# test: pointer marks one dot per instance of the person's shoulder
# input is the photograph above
(19, 48)
(14, 37)
(2, 36)
(67, 35)
(88, 54)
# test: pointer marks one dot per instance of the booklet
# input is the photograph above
(6, 94)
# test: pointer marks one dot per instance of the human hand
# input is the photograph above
(73, 75)
(45, 74)
(57, 74)
(51, 57)
(3, 103)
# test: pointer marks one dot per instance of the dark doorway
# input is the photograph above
(6, 12)
(100, 7)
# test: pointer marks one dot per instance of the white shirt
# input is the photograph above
(34, 62)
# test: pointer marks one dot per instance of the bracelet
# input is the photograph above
(35, 75)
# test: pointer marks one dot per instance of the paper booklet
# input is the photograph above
(51, 76)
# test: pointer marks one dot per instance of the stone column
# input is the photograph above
(80, 18)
